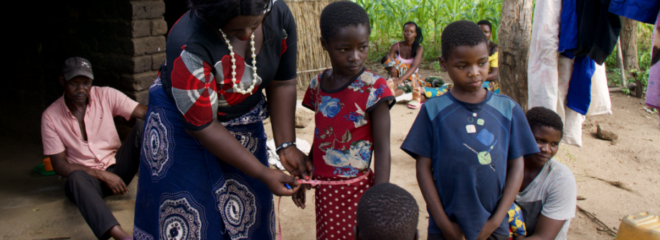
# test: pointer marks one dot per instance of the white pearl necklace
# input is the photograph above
(233, 66)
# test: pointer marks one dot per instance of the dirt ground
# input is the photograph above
(35, 207)
(633, 161)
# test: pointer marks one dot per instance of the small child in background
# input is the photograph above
(469, 144)
(352, 118)
(387, 212)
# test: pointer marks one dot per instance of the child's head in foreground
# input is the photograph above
(345, 34)
(548, 130)
(465, 55)
(387, 211)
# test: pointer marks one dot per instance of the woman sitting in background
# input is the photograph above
(403, 63)
(491, 80)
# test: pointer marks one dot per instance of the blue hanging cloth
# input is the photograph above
(568, 32)
(579, 89)
(639, 10)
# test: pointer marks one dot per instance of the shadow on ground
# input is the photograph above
(33, 206)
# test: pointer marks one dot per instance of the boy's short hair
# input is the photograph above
(487, 23)
(342, 14)
(542, 117)
(461, 33)
(387, 211)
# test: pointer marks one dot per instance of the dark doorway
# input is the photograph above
(174, 9)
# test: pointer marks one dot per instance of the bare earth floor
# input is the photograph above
(35, 207)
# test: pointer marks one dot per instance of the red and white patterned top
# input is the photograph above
(197, 73)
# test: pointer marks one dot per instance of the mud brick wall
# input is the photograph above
(123, 39)
(128, 44)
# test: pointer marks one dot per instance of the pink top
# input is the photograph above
(60, 130)
(403, 60)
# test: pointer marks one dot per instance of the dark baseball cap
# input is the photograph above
(77, 66)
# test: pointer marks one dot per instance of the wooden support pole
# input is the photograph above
(620, 58)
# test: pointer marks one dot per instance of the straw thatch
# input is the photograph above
(311, 57)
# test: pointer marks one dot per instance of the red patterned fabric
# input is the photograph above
(198, 62)
(226, 90)
(336, 207)
(343, 140)
(194, 88)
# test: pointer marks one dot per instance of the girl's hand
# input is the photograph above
(488, 229)
(299, 197)
(296, 162)
(275, 179)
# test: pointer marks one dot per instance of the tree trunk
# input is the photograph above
(629, 49)
(514, 37)
(629, 43)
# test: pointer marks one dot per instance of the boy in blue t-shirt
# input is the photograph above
(469, 145)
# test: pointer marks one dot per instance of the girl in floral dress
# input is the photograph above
(352, 120)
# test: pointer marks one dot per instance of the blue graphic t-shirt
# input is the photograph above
(470, 145)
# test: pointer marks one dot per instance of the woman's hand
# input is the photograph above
(488, 229)
(398, 81)
(296, 162)
(275, 180)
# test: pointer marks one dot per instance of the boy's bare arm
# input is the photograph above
(380, 126)
(514, 176)
(449, 229)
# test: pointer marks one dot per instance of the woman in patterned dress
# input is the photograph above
(204, 169)
(403, 63)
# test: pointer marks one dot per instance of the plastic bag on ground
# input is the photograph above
(274, 159)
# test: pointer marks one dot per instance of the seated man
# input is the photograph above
(79, 135)
(548, 193)
(386, 211)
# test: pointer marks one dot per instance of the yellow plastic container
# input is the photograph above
(639, 226)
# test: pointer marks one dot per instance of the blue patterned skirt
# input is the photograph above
(185, 192)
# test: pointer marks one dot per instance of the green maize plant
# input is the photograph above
(387, 17)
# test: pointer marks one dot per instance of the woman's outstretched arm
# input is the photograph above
(282, 107)
(221, 143)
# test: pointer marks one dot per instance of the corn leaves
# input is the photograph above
(388, 16)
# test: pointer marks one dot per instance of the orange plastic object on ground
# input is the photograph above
(47, 165)
(639, 226)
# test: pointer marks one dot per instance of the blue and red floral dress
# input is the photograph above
(342, 148)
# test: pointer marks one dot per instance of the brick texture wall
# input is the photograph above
(123, 39)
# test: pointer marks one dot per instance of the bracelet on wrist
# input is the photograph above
(285, 145)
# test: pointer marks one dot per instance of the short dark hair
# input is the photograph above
(387, 211)
(486, 22)
(218, 13)
(382, 60)
(342, 14)
(542, 117)
(461, 33)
